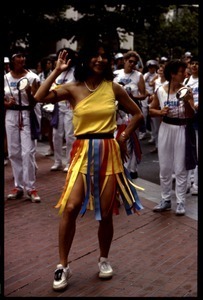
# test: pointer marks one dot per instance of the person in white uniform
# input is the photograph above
(149, 76)
(171, 138)
(46, 69)
(62, 118)
(133, 82)
(193, 83)
(21, 143)
(155, 121)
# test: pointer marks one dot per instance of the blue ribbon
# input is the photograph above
(88, 179)
(96, 180)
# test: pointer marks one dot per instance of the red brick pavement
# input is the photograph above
(153, 255)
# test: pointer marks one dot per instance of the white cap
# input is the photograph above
(188, 54)
(118, 55)
(6, 60)
(152, 62)
(163, 58)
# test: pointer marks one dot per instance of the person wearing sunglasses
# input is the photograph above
(133, 82)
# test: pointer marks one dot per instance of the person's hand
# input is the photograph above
(164, 110)
(10, 102)
(188, 96)
(123, 147)
(62, 64)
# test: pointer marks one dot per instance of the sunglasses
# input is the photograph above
(132, 61)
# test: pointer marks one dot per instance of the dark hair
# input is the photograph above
(44, 61)
(17, 50)
(87, 52)
(172, 67)
(194, 58)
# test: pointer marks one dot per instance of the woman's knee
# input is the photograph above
(71, 210)
(106, 218)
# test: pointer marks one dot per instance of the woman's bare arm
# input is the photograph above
(130, 107)
(45, 94)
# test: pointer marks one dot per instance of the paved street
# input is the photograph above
(153, 255)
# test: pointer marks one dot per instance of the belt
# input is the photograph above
(175, 121)
(20, 107)
(95, 136)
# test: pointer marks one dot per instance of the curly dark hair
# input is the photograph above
(87, 52)
(172, 67)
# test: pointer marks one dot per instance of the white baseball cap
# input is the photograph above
(118, 55)
(152, 62)
(188, 54)
(6, 60)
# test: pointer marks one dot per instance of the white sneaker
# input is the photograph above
(151, 141)
(66, 168)
(142, 135)
(180, 210)
(61, 276)
(33, 196)
(162, 206)
(105, 269)
(194, 190)
(56, 167)
(49, 153)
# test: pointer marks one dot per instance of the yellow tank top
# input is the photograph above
(97, 112)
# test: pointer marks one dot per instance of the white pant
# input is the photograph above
(21, 149)
(195, 171)
(131, 163)
(155, 123)
(65, 128)
(171, 152)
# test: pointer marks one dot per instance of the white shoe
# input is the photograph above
(66, 168)
(105, 269)
(142, 135)
(151, 141)
(33, 196)
(49, 153)
(194, 190)
(180, 210)
(56, 167)
(61, 276)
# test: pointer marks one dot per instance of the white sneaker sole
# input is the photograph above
(105, 275)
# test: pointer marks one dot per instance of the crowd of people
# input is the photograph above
(102, 141)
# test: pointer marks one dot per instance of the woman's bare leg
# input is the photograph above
(105, 231)
(67, 224)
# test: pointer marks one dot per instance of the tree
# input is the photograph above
(40, 28)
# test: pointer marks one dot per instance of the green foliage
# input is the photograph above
(40, 27)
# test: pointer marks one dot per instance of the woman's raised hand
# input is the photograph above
(61, 63)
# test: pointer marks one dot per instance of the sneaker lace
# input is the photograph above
(15, 190)
(181, 206)
(58, 274)
(34, 193)
(105, 265)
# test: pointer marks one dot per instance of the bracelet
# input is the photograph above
(123, 134)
